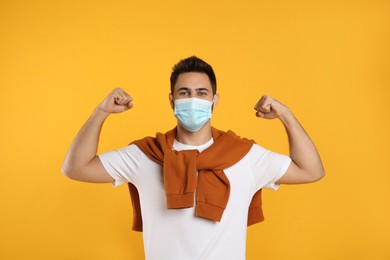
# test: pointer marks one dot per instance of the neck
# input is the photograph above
(194, 138)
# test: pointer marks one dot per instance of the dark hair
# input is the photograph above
(193, 64)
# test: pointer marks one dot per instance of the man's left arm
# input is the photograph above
(306, 165)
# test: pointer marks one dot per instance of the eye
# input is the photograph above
(202, 93)
(184, 93)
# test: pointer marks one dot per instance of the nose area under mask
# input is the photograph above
(192, 113)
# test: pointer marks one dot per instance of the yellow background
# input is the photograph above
(327, 60)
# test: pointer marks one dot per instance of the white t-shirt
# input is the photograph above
(176, 234)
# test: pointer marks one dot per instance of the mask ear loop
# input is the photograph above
(212, 106)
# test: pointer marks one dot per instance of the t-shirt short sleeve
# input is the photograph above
(122, 164)
(268, 166)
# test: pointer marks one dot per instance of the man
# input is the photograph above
(195, 188)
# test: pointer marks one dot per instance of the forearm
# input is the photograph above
(302, 149)
(84, 147)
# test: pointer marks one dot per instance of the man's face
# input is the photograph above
(192, 85)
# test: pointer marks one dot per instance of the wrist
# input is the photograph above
(286, 116)
(99, 113)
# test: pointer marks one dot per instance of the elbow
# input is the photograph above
(312, 175)
(318, 175)
(323, 173)
(68, 171)
(65, 170)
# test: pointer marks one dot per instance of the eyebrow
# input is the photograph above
(197, 89)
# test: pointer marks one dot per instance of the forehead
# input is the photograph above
(193, 80)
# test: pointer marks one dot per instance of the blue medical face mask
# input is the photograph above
(192, 113)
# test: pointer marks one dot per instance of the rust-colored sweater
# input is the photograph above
(181, 181)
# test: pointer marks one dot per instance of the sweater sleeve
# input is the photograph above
(122, 164)
(267, 166)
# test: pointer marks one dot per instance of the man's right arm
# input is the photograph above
(81, 162)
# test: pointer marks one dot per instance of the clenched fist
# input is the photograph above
(269, 108)
(116, 102)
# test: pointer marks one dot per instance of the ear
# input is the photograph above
(215, 100)
(171, 100)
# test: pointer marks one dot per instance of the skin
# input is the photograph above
(82, 163)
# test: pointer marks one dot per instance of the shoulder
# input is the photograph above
(257, 150)
(262, 156)
(133, 148)
(130, 152)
